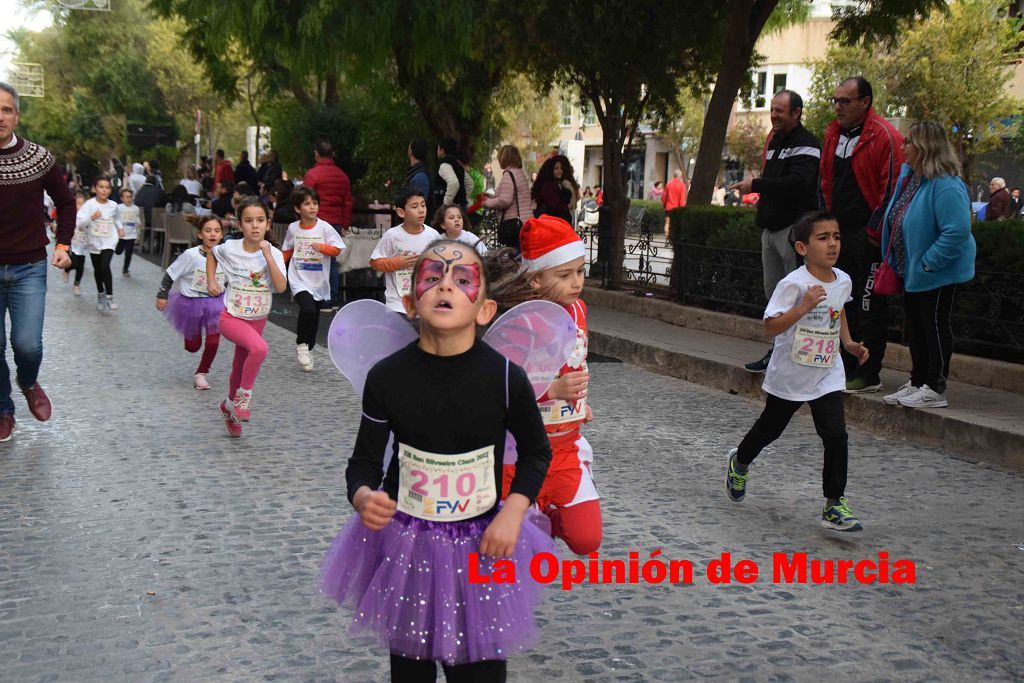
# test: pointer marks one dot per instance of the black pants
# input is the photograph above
(77, 265)
(868, 314)
(309, 319)
(101, 269)
(404, 670)
(929, 335)
(128, 248)
(830, 424)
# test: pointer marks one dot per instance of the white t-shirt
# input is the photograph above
(397, 241)
(100, 233)
(807, 366)
(466, 237)
(131, 219)
(308, 269)
(249, 292)
(194, 187)
(189, 273)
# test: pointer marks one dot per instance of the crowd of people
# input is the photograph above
(847, 221)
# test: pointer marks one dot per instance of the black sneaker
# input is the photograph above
(759, 365)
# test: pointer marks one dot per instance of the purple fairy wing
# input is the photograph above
(363, 333)
(538, 336)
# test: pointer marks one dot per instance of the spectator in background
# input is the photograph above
(556, 191)
(512, 196)
(929, 224)
(222, 204)
(270, 171)
(474, 184)
(149, 195)
(180, 201)
(718, 196)
(418, 175)
(588, 193)
(450, 181)
(191, 183)
(245, 173)
(733, 198)
(787, 189)
(861, 155)
(153, 169)
(674, 196)
(1000, 204)
(136, 179)
(222, 171)
(657, 190)
(335, 191)
(1015, 201)
(282, 202)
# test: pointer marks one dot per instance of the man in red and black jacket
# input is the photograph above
(26, 172)
(861, 155)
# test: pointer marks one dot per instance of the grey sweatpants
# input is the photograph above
(778, 259)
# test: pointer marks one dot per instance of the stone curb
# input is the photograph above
(931, 428)
(982, 372)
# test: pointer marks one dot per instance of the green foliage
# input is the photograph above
(746, 143)
(724, 226)
(682, 127)
(839, 63)
(1000, 246)
(653, 220)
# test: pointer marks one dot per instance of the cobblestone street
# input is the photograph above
(139, 542)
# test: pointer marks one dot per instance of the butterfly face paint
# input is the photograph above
(465, 276)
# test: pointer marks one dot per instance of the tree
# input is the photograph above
(747, 20)
(841, 62)
(681, 130)
(746, 143)
(527, 117)
(631, 62)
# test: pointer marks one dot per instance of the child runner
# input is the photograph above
(552, 267)
(805, 315)
(452, 220)
(79, 245)
(98, 217)
(253, 269)
(308, 248)
(131, 218)
(400, 246)
(190, 309)
(402, 563)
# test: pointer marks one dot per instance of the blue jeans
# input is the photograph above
(23, 294)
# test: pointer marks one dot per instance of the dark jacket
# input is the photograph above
(1000, 205)
(148, 197)
(418, 177)
(245, 173)
(788, 186)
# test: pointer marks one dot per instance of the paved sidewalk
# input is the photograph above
(138, 542)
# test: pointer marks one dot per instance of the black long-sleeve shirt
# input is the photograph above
(789, 182)
(449, 405)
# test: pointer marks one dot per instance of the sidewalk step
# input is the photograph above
(980, 424)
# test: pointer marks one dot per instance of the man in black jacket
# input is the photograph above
(787, 188)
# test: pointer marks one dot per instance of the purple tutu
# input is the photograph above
(408, 584)
(191, 316)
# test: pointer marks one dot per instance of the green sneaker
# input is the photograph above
(735, 481)
(839, 518)
(860, 385)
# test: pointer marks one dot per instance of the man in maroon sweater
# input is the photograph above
(335, 191)
(26, 171)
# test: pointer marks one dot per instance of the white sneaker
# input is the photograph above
(111, 304)
(903, 392)
(76, 290)
(924, 398)
(302, 352)
(199, 382)
(101, 302)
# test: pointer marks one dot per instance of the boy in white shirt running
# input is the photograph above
(398, 249)
(805, 315)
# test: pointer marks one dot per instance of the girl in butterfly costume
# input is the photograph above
(552, 269)
(447, 399)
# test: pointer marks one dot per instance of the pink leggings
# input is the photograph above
(250, 350)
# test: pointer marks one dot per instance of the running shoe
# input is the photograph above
(233, 425)
(904, 391)
(735, 481)
(243, 397)
(126, 274)
(860, 385)
(76, 290)
(199, 382)
(6, 427)
(759, 366)
(925, 397)
(302, 351)
(839, 518)
(101, 302)
(111, 304)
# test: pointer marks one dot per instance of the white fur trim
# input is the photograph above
(556, 257)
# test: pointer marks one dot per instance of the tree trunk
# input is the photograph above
(616, 201)
(745, 26)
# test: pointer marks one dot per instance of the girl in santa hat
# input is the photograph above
(551, 268)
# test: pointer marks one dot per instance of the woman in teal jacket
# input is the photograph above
(928, 222)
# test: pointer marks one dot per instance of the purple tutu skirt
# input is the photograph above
(192, 316)
(408, 585)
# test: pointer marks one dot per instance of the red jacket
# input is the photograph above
(675, 194)
(224, 172)
(335, 191)
(876, 166)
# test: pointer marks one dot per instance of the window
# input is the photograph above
(566, 113)
(759, 90)
(778, 83)
(589, 117)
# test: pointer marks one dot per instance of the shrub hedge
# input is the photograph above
(653, 220)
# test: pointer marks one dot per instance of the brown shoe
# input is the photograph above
(6, 427)
(38, 403)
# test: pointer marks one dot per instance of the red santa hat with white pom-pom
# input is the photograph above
(548, 242)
